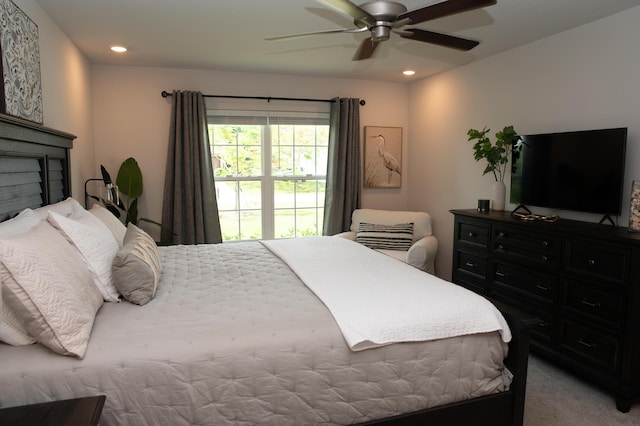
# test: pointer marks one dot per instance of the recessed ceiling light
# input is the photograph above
(119, 49)
(408, 72)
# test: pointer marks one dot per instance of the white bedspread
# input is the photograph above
(377, 300)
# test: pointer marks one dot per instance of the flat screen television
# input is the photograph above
(579, 171)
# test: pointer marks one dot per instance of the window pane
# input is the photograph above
(321, 161)
(250, 225)
(305, 161)
(230, 225)
(283, 194)
(306, 194)
(305, 135)
(249, 135)
(284, 223)
(225, 160)
(283, 134)
(227, 195)
(249, 161)
(282, 161)
(306, 222)
(250, 195)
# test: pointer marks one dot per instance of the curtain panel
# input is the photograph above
(190, 209)
(343, 190)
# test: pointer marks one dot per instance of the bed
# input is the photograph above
(253, 333)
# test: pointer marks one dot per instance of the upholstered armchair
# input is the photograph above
(420, 251)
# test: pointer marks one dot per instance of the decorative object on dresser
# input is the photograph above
(497, 156)
(581, 279)
(634, 209)
(22, 90)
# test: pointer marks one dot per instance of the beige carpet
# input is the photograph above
(556, 398)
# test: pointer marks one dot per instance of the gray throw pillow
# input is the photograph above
(136, 267)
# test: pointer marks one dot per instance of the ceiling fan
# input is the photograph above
(383, 17)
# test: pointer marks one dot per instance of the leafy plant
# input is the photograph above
(129, 186)
(496, 154)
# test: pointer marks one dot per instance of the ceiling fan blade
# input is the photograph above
(448, 7)
(345, 6)
(290, 36)
(366, 49)
(439, 39)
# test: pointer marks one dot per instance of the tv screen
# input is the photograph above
(580, 171)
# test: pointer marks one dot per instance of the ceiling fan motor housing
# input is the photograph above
(386, 13)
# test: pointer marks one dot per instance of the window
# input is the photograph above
(270, 171)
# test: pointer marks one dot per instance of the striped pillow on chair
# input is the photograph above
(385, 237)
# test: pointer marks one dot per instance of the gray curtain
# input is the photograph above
(189, 209)
(343, 190)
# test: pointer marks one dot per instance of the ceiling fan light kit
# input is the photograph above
(383, 17)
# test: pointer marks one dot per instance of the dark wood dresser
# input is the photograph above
(582, 279)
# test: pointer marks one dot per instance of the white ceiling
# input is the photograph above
(229, 34)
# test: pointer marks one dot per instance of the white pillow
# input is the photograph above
(67, 208)
(50, 289)
(116, 227)
(20, 224)
(97, 247)
(12, 331)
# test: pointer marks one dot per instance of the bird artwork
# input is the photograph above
(388, 160)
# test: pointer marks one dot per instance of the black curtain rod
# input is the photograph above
(166, 94)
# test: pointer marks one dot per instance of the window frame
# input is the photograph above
(266, 119)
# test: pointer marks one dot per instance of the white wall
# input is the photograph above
(132, 119)
(66, 92)
(585, 78)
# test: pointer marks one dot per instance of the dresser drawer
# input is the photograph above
(590, 346)
(540, 286)
(474, 234)
(537, 241)
(598, 304)
(521, 246)
(473, 264)
(597, 261)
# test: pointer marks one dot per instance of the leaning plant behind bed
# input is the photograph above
(129, 184)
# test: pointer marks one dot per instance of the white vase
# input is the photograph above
(499, 190)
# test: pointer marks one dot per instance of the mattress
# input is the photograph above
(234, 337)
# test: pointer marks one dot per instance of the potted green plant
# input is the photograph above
(129, 186)
(496, 155)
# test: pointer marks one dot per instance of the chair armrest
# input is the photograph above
(350, 235)
(422, 254)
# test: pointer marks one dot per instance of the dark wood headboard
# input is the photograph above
(34, 165)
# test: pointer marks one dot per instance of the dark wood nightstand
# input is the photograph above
(69, 412)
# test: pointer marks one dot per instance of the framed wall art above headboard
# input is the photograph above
(34, 165)
(21, 94)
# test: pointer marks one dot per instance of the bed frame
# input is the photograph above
(34, 171)
(34, 165)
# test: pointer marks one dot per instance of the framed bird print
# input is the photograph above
(382, 157)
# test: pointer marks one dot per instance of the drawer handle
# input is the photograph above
(502, 274)
(545, 258)
(471, 235)
(501, 247)
(590, 304)
(587, 344)
(592, 262)
(543, 324)
(501, 234)
(542, 287)
(545, 244)
(470, 264)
